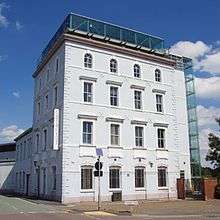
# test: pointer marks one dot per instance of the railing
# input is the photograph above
(98, 29)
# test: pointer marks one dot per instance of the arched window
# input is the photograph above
(157, 75)
(113, 66)
(137, 71)
(88, 60)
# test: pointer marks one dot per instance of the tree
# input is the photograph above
(214, 148)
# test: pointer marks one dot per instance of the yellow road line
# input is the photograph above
(99, 213)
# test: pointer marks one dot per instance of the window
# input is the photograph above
(87, 92)
(55, 95)
(38, 108)
(46, 102)
(48, 75)
(45, 140)
(115, 134)
(139, 136)
(40, 84)
(25, 150)
(137, 71)
(157, 75)
(114, 96)
(88, 60)
(87, 132)
(162, 176)
(44, 181)
(20, 180)
(86, 178)
(114, 177)
(137, 99)
(54, 173)
(159, 103)
(113, 66)
(161, 138)
(23, 180)
(21, 152)
(139, 177)
(37, 142)
(57, 65)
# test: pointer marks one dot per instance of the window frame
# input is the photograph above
(157, 75)
(138, 102)
(45, 139)
(88, 60)
(162, 183)
(87, 92)
(118, 177)
(54, 174)
(113, 65)
(161, 141)
(113, 97)
(115, 137)
(159, 105)
(87, 133)
(137, 71)
(142, 178)
(88, 185)
(138, 138)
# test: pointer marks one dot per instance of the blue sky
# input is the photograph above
(189, 28)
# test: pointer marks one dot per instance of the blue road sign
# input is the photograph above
(99, 152)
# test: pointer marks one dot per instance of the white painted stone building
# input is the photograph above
(94, 91)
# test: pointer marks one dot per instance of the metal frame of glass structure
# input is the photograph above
(101, 30)
(193, 124)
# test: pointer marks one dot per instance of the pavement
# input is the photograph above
(26, 209)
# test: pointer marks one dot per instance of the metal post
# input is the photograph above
(99, 185)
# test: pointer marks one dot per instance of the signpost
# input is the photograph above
(98, 173)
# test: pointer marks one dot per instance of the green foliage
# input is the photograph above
(214, 149)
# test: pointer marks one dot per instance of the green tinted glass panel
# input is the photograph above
(192, 114)
(193, 128)
(128, 36)
(113, 32)
(194, 142)
(79, 23)
(96, 27)
(196, 169)
(194, 153)
(191, 101)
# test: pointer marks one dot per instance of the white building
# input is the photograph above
(101, 90)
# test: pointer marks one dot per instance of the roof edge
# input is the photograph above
(26, 132)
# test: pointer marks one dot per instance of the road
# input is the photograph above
(20, 209)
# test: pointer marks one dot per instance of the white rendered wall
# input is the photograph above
(176, 155)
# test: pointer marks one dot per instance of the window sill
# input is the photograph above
(87, 191)
(86, 145)
(162, 149)
(163, 188)
(115, 190)
(140, 148)
(140, 189)
(115, 146)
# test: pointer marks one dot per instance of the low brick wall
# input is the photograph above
(209, 185)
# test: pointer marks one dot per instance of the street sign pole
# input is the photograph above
(99, 185)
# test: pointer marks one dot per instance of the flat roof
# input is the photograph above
(92, 28)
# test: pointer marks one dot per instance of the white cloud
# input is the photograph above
(210, 63)
(10, 132)
(206, 116)
(18, 25)
(3, 57)
(190, 49)
(3, 20)
(208, 88)
(206, 58)
(16, 94)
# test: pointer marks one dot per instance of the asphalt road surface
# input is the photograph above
(12, 208)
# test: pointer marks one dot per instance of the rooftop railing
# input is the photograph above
(102, 30)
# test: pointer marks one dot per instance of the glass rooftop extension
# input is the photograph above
(101, 30)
